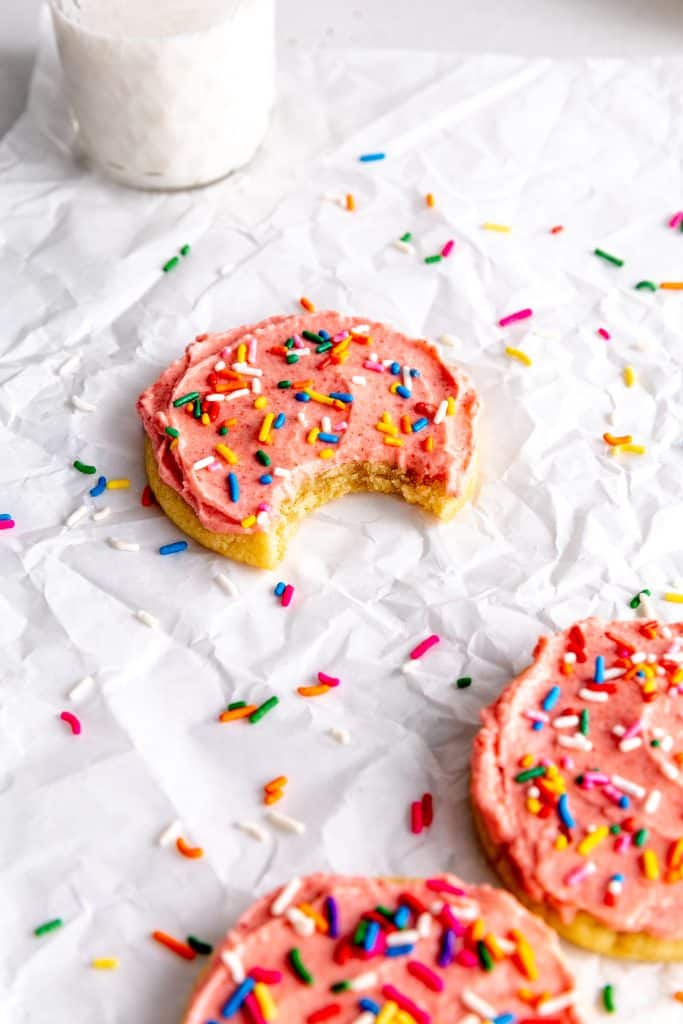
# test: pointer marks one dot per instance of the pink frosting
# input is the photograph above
(292, 457)
(621, 775)
(262, 940)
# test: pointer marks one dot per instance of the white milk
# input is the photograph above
(168, 93)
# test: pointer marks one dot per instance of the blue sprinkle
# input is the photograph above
(402, 391)
(328, 438)
(624, 802)
(537, 726)
(414, 373)
(505, 1018)
(325, 335)
(279, 589)
(551, 698)
(233, 487)
(368, 1004)
(279, 420)
(5, 516)
(332, 912)
(420, 424)
(95, 492)
(641, 674)
(617, 878)
(395, 368)
(599, 669)
(301, 396)
(564, 812)
(173, 549)
(447, 951)
(235, 1001)
(402, 916)
(399, 950)
(265, 479)
(342, 396)
(371, 934)
(369, 158)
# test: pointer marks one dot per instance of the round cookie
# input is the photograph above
(253, 429)
(349, 949)
(576, 786)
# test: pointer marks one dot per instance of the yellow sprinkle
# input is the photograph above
(593, 839)
(525, 954)
(265, 1001)
(429, 199)
(429, 444)
(516, 353)
(264, 432)
(395, 442)
(561, 842)
(386, 428)
(650, 865)
(633, 449)
(105, 963)
(450, 406)
(527, 760)
(393, 387)
(118, 485)
(493, 947)
(387, 1013)
(478, 929)
(323, 399)
(533, 806)
(174, 443)
(503, 228)
(248, 522)
(403, 1017)
(227, 453)
(261, 402)
(629, 376)
(312, 435)
(242, 353)
(386, 417)
(552, 772)
(205, 419)
(326, 453)
(672, 597)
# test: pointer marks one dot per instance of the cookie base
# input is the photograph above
(584, 930)
(264, 549)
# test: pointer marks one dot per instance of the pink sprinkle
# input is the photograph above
(441, 885)
(449, 920)
(633, 730)
(287, 595)
(298, 341)
(341, 427)
(342, 336)
(254, 1009)
(215, 465)
(416, 822)
(226, 352)
(577, 875)
(424, 646)
(264, 507)
(377, 367)
(71, 720)
(512, 318)
(604, 334)
(426, 975)
(252, 350)
(266, 976)
(448, 248)
(623, 843)
(328, 680)
(675, 221)
(536, 716)
(567, 763)
(466, 958)
(7, 524)
(415, 1011)
(597, 778)
(613, 794)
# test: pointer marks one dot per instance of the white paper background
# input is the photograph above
(558, 531)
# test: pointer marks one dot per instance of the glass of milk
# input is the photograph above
(168, 94)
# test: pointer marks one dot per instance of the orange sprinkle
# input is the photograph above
(678, 996)
(232, 716)
(301, 385)
(525, 955)
(405, 424)
(672, 286)
(556, 230)
(674, 857)
(350, 202)
(277, 783)
(429, 199)
(320, 922)
(192, 852)
(622, 439)
(313, 691)
(428, 444)
(175, 945)
(272, 798)
(307, 304)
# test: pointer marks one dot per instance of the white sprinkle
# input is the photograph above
(69, 365)
(638, 657)
(170, 833)
(256, 386)
(365, 1018)
(237, 394)
(103, 513)
(653, 801)
(441, 412)
(408, 666)
(301, 923)
(234, 964)
(666, 632)
(146, 619)
(670, 770)
(424, 924)
(436, 907)
(550, 1006)
(362, 329)
(533, 792)
(569, 658)
(246, 370)
(667, 743)
(123, 545)
(658, 733)
(565, 721)
(301, 416)
(471, 1018)
(575, 742)
(472, 1001)
(614, 673)
(220, 365)
(262, 518)
(406, 378)
(652, 658)
(364, 981)
(386, 362)
(326, 425)
(448, 339)
(632, 743)
(402, 246)
(400, 938)
(215, 398)
(618, 730)
(632, 788)
(80, 513)
(253, 830)
(226, 584)
(615, 887)
(646, 608)
(596, 696)
(285, 897)
(81, 690)
(203, 463)
(287, 824)
(342, 736)
(227, 269)
(279, 471)
(82, 405)
(506, 945)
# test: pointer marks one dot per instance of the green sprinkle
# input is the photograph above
(263, 457)
(203, 948)
(655, 743)
(170, 264)
(463, 682)
(325, 347)
(223, 430)
(584, 722)
(197, 411)
(284, 384)
(49, 926)
(292, 358)
(340, 986)
(185, 251)
(531, 773)
(608, 257)
(640, 838)
(434, 259)
(635, 601)
(385, 912)
(189, 397)
(359, 933)
(171, 431)
(646, 286)
(289, 343)
(267, 706)
(615, 830)
(237, 704)
(406, 238)
(485, 958)
(83, 467)
(294, 957)
(312, 336)
(608, 999)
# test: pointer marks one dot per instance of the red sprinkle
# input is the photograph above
(416, 821)
(287, 595)
(424, 646)
(604, 333)
(148, 498)
(557, 229)
(448, 248)
(266, 976)
(427, 809)
(426, 975)
(71, 720)
(175, 945)
(328, 680)
(324, 1013)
